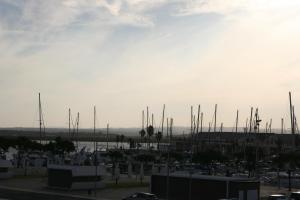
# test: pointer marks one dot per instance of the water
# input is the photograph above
(111, 145)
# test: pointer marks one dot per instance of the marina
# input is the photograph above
(149, 100)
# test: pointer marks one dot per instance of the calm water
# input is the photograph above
(111, 145)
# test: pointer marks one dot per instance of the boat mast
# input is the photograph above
(147, 118)
(197, 130)
(167, 127)
(270, 126)
(163, 120)
(292, 114)
(69, 122)
(246, 127)
(40, 118)
(250, 122)
(147, 129)
(152, 120)
(236, 121)
(95, 129)
(294, 119)
(77, 129)
(281, 125)
(221, 128)
(215, 122)
(201, 124)
(191, 121)
(107, 129)
(95, 153)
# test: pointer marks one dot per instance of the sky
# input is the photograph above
(124, 55)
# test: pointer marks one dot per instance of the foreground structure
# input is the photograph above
(195, 187)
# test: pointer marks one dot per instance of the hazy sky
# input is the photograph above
(122, 55)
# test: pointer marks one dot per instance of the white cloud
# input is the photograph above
(224, 7)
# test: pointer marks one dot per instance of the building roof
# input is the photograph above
(207, 177)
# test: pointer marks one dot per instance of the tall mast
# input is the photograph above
(77, 127)
(40, 117)
(250, 122)
(163, 120)
(143, 119)
(281, 125)
(201, 124)
(95, 153)
(194, 124)
(167, 127)
(221, 128)
(294, 119)
(69, 122)
(95, 129)
(171, 128)
(270, 126)
(192, 128)
(152, 120)
(237, 121)
(292, 114)
(198, 119)
(147, 117)
(107, 129)
(215, 122)
(192, 121)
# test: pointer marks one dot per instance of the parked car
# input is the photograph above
(277, 197)
(295, 196)
(141, 196)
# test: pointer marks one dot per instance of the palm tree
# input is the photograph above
(150, 132)
(158, 137)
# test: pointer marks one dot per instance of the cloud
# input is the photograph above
(224, 7)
